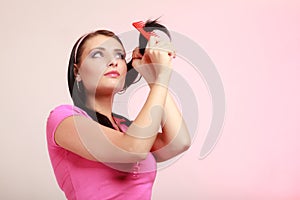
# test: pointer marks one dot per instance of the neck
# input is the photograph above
(102, 104)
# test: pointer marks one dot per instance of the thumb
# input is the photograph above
(136, 62)
(136, 53)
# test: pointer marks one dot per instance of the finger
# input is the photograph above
(136, 54)
(166, 45)
(152, 42)
(136, 62)
(136, 51)
(172, 54)
(161, 35)
(172, 51)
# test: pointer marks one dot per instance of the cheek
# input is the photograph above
(91, 72)
(123, 68)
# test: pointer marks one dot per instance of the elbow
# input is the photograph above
(171, 151)
(182, 146)
(185, 145)
(185, 148)
(138, 153)
(138, 157)
(142, 156)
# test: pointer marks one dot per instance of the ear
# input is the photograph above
(76, 73)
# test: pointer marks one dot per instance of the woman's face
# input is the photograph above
(103, 68)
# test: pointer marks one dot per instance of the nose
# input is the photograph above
(113, 63)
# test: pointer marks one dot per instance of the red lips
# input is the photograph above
(112, 74)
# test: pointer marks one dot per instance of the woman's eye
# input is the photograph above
(97, 54)
(120, 56)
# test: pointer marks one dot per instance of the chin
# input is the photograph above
(108, 90)
(111, 86)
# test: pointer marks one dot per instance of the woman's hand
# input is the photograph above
(143, 65)
(155, 66)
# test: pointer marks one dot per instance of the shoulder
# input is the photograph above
(67, 109)
(63, 111)
(58, 114)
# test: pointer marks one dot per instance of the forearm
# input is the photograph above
(143, 130)
(109, 145)
(175, 137)
(173, 124)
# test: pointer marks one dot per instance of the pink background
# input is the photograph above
(255, 46)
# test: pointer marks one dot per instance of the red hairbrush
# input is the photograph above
(140, 27)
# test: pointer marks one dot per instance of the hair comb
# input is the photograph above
(140, 27)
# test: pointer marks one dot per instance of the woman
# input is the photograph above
(96, 154)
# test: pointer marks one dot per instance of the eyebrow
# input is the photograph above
(103, 49)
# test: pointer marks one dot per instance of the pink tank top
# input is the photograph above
(82, 179)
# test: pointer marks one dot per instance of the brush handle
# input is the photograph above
(140, 27)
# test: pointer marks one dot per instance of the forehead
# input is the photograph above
(102, 41)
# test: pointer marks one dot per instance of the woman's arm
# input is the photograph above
(175, 137)
(93, 141)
